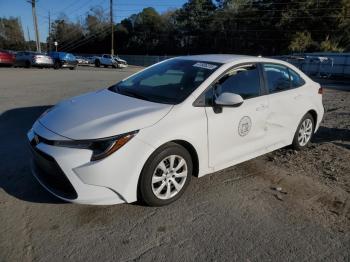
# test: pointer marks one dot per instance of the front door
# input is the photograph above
(235, 133)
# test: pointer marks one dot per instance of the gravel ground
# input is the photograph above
(283, 206)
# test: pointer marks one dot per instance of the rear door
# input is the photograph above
(106, 60)
(235, 133)
(286, 102)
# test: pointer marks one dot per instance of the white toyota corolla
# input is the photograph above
(144, 137)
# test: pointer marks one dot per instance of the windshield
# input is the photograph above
(170, 82)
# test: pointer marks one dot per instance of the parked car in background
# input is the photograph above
(6, 58)
(82, 60)
(33, 59)
(109, 60)
(64, 60)
(91, 59)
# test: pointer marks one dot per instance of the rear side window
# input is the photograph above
(277, 77)
(295, 79)
(243, 81)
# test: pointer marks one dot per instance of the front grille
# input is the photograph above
(51, 175)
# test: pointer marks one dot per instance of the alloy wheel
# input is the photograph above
(305, 132)
(169, 177)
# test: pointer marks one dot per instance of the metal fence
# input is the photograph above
(143, 60)
(324, 65)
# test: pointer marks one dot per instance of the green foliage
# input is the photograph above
(11, 34)
(329, 45)
(301, 41)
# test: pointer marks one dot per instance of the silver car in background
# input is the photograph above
(33, 59)
(82, 60)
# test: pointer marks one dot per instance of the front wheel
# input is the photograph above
(57, 65)
(165, 175)
(304, 132)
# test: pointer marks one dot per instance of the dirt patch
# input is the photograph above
(319, 177)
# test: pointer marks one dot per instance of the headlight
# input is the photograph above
(101, 148)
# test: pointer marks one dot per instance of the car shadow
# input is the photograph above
(333, 135)
(15, 175)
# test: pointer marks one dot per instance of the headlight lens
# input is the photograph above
(101, 148)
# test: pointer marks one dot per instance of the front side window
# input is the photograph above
(170, 82)
(243, 80)
(277, 77)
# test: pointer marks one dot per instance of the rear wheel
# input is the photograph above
(97, 63)
(57, 65)
(304, 132)
(72, 68)
(165, 175)
(27, 64)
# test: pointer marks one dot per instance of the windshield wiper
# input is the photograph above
(132, 94)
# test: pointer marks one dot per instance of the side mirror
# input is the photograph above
(229, 100)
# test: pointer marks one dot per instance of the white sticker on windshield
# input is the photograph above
(205, 65)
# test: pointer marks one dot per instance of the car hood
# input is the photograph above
(119, 60)
(102, 114)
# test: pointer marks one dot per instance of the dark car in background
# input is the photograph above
(63, 60)
(33, 59)
(6, 58)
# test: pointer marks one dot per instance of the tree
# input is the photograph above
(11, 34)
(65, 32)
(329, 45)
(301, 41)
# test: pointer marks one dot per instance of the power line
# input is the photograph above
(72, 41)
(86, 40)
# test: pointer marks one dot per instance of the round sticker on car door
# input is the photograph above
(244, 126)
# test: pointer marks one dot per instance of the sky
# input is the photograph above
(75, 10)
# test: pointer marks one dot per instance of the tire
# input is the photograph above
(304, 132)
(97, 63)
(57, 65)
(72, 68)
(153, 179)
(27, 64)
(105, 66)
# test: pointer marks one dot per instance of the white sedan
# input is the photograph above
(146, 136)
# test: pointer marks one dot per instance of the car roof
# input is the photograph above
(217, 58)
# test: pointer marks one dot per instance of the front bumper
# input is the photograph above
(120, 65)
(39, 64)
(69, 174)
(68, 65)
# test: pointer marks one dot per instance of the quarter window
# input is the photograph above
(295, 79)
(243, 81)
(277, 77)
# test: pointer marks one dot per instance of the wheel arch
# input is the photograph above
(193, 152)
(185, 144)
(313, 113)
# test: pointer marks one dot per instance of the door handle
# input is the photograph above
(298, 96)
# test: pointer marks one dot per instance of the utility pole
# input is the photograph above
(35, 20)
(49, 32)
(28, 39)
(112, 26)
